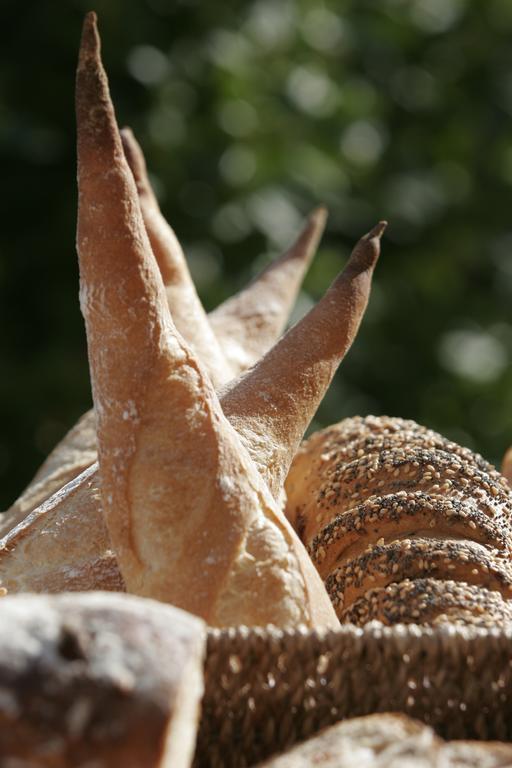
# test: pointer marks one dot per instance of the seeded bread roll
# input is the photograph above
(430, 602)
(403, 515)
(342, 487)
(383, 564)
(323, 460)
(383, 501)
(98, 679)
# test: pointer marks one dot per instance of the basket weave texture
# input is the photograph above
(267, 689)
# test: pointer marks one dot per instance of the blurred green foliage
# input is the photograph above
(250, 114)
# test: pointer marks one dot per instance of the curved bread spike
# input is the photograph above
(274, 402)
(248, 323)
(187, 311)
(190, 519)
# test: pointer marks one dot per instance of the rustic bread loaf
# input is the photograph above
(383, 740)
(390, 741)
(98, 679)
(75, 452)
(253, 404)
(190, 520)
(245, 327)
(62, 545)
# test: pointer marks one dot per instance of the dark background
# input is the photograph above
(250, 114)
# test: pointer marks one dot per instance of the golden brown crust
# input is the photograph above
(438, 473)
(274, 402)
(83, 682)
(506, 467)
(187, 311)
(387, 562)
(431, 602)
(248, 323)
(329, 449)
(63, 545)
(403, 515)
(380, 740)
(388, 741)
(189, 518)
(75, 452)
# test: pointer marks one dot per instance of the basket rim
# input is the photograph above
(373, 630)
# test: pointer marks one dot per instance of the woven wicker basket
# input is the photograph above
(267, 689)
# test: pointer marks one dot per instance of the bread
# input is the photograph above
(399, 516)
(245, 327)
(383, 740)
(339, 487)
(98, 679)
(429, 601)
(190, 520)
(506, 467)
(273, 404)
(186, 308)
(389, 741)
(435, 557)
(248, 324)
(63, 545)
(268, 428)
(381, 501)
(75, 452)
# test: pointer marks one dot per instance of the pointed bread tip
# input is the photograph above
(318, 216)
(366, 253)
(377, 231)
(90, 44)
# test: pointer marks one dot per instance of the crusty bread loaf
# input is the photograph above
(253, 404)
(98, 679)
(383, 740)
(190, 520)
(63, 545)
(390, 741)
(246, 326)
(381, 501)
(75, 452)
(187, 311)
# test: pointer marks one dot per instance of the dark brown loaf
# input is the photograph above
(98, 679)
